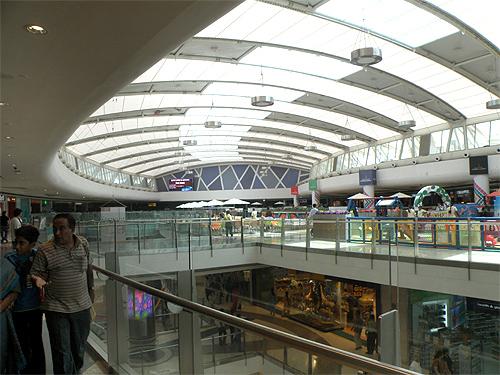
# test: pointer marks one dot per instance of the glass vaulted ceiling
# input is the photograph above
(440, 64)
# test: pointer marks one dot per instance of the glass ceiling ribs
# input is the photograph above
(435, 69)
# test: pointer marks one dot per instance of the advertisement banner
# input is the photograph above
(478, 165)
(294, 190)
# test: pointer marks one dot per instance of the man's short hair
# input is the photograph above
(314, 205)
(28, 232)
(71, 220)
(18, 212)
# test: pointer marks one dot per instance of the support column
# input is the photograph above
(481, 188)
(190, 359)
(315, 197)
(295, 201)
(370, 191)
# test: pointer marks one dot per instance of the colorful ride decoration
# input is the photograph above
(426, 191)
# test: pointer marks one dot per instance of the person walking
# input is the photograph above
(15, 223)
(371, 335)
(26, 312)
(62, 271)
(357, 329)
(4, 226)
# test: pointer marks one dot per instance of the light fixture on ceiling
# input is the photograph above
(262, 100)
(3, 104)
(407, 124)
(363, 54)
(493, 104)
(310, 148)
(190, 142)
(347, 137)
(213, 124)
(366, 56)
(8, 137)
(35, 29)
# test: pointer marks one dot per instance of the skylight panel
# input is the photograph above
(395, 19)
(217, 27)
(300, 62)
(150, 74)
(481, 15)
(277, 24)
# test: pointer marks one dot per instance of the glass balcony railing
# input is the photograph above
(193, 338)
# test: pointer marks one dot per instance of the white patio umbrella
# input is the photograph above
(235, 202)
(400, 195)
(214, 202)
(279, 203)
(256, 204)
(181, 205)
(359, 196)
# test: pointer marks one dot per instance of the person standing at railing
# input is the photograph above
(371, 335)
(228, 223)
(62, 271)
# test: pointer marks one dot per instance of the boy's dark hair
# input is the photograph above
(71, 220)
(28, 232)
(18, 212)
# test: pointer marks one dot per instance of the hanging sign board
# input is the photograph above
(367, 177)
(313, 185)
(294, 190)
(478, 165)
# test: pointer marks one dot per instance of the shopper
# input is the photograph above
(357, 329)
(26, 312)
(11, 358)
(4, 226)
(371, 335)
(61, 270)
(228, 223)
(15, 223)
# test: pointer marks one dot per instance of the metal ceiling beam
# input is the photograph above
(241, 151)
(181, 148)
(264, 161)
(376, 115)
(343, 59)
(166, 128)
(175, 139)
(327, 126)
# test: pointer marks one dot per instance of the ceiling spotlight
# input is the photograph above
(179, 153)
(310, 148)
(366, 56)
(407, 124)
(8, 137)
(262, 101)
(3, 104)
(190, 142)
(35, 29)
(213, 124)
(348, 137)
(493, 104)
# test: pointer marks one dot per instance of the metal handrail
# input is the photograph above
(339, 356)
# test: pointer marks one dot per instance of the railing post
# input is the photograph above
(282, 235)
(337, 240)
(372, 245)
(309, 364)
(189, 244)
(415, 244)
(98, 244)
(242, 237)
(138, 241)
(469, 245)
(213, 353)
(176, 241)
(210, 240)
(144, 235)
(308, 236)
(285, 359)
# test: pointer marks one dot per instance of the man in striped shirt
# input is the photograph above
(61, 269)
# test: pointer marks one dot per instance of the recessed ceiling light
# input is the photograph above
(8, 137)
(3, 104)
(35, 29)
(213, 124)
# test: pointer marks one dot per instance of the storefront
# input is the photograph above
(322, 302)
(467, 328)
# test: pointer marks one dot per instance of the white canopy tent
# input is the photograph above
(235, 202)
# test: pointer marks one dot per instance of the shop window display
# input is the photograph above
(464, 328)
(326, 304)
